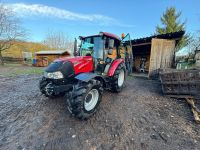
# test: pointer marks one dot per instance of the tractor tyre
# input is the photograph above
(117, 80)
(83, 101)
(42, 85)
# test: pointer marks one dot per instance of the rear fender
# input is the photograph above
(114, 66)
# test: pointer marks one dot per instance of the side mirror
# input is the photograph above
(123, 35)
(111, 43)
(110, 51)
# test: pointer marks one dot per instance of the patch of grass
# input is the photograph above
(185, 65)
(129, 77)
(18, 69)
(11, 65)
(30, 70)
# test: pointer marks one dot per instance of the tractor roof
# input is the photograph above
(104, 34)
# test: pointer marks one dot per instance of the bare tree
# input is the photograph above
(58, 40)
(10, 29)
(195, 43)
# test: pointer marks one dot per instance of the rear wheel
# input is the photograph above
(117, 80)
(83, 101)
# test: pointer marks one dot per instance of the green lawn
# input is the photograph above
(31, 70)
(19, 69)
(185, 65)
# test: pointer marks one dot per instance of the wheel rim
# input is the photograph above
(48, 89)
(91, 99)
(121, 78)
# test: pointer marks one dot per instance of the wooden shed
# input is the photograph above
(44, 58)
(155, 52)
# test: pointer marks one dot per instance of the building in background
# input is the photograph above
(44, 58)
(155, 52)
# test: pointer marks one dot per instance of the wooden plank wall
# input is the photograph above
(44, 60)
(162, 52)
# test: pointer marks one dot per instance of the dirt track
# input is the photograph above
(137, 118)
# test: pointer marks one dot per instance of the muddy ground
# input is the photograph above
(137, 118)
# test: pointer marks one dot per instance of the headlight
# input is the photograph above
(53, 75)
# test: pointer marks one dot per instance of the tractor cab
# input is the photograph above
(104, 49)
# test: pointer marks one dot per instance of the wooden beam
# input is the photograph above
(195, 110)
(142, 44)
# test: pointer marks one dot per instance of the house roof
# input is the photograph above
(174, 35)
(51, 52)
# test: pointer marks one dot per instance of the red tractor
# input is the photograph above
(100, 65)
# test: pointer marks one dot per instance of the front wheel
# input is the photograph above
(46, 88)
(117, 80)
(43, 85)
(83, 101)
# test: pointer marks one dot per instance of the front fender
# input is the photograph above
(86, 76)
(114, 66)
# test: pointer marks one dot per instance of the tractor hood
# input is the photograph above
(74, 59)
(66, 68)
(81, 64)
(70, 66)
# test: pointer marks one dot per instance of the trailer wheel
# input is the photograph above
(83, 101)
(117, 80)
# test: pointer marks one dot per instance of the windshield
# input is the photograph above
(92, 46)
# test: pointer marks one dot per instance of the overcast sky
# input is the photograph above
(86, 17)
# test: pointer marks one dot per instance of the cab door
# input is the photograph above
(126, 52)
(126, 43)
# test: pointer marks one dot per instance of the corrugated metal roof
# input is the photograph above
(51, 52)
(174, 35)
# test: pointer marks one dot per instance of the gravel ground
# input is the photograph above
(137, 118)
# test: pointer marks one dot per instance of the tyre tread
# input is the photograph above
(76, 100)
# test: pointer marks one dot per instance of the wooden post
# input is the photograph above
(1, 59)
